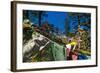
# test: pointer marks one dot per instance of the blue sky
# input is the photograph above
(58, 19)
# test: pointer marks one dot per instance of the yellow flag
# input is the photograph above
(73, 43)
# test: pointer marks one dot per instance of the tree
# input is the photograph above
(85, 44)
(25, 14)
(39, 15)
(82, 19)
(67, 27)
(27, 27)
(51, 28)
(56, 30)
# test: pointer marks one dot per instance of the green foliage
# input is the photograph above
(85, 44)
(27, 33)
(70, 34)
(85, 52)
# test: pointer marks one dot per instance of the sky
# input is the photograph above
(58, 19)
(55, 18)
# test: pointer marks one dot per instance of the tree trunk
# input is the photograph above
(40, 13)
